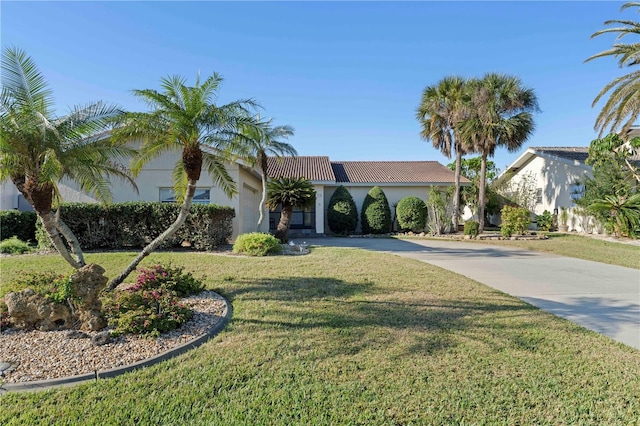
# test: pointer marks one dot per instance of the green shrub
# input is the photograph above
(471, 227)
(149, 312)
(54, 286)
(20, 224)
(135, 224)
(514, 220)
(257, 244)
(342, 213)
(14, 245)
(545, 221)
(412, 214)
(375, 216)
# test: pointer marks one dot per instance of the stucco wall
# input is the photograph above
(556, 178)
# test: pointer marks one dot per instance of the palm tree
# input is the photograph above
(184, 118)
(39, 149)
(622, 213)
(256, 142)
(289, 193)
(501, 114)
(440, 111)
(623, 106)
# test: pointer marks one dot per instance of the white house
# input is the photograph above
(397, 178)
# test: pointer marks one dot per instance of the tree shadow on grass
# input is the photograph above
(352, 317)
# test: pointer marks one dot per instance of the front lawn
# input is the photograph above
(345, 336)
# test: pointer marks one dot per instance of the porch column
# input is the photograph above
(319, 208)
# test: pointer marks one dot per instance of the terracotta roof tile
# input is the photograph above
(392, 172)
(312, 168)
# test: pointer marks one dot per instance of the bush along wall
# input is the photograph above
(18, 224)
(376, 214)
(412, 214)
(135, 224)
(342, 213)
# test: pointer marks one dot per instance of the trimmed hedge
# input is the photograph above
(376, 215)
(342, 213)
(18, 224)
(257, 244)
(135, 224)
(412, 214)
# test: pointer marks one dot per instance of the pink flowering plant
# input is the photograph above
(151, 306)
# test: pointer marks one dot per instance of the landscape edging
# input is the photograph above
(105, 374)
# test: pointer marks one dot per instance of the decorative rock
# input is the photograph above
(101, 338)
(87, 283)
(28, 309)
(76, 334)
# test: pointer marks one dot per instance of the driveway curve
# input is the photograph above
(603, 298)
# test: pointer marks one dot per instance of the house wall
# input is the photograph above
(394, 193)
(158, 174)
(556, 178)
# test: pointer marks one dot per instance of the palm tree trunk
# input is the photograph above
(481, 191)
(182, 217)
(72, 240)
(456, 193)
(52, 231)
(263, 197)
(282, 232)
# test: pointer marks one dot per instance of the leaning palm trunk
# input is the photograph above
(182, 217)
(51, 229)
(68, 235)
(282, 232)
(263, 198)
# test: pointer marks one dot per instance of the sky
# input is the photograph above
(347, 76)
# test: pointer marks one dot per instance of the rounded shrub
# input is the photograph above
(342, 213)
(14, 245)
(514, 220)
(412, 214)
(375, 216)
(257, 244)
(471, 227)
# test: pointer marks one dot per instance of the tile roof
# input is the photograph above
(312, 168)
(392, 172)
(573, 153)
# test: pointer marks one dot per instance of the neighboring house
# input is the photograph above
(398, 179)
(556, 173)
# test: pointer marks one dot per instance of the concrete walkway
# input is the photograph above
(600, 297)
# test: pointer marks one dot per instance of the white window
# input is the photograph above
(201, 196)
(539, 196)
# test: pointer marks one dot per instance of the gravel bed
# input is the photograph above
(39, 355)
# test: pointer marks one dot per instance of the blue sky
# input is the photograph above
(347, 76)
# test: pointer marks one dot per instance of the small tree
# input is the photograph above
(375, 216)
(412, 214)
(289, 193)
(439, 210)
(342, 213)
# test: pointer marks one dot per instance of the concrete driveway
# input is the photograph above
(600, 297)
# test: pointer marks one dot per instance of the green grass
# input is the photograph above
(577, 246)
(345, 336)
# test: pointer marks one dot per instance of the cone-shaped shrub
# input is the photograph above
(342, 213)
(412, 214)
(376, 215)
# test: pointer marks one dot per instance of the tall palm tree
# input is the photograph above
(289, 193)
(184, 118)
(255, 143)
(441, 109)
(39, 149)
(623, 105)
(501, 114)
